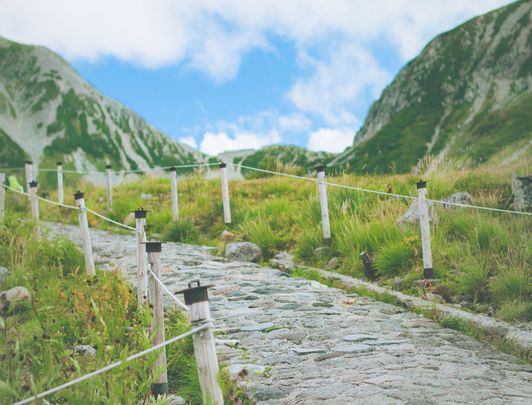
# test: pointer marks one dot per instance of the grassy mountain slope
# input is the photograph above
(467, 96)
(49, 113)
(284, 158)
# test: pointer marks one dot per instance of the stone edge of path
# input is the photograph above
(521, 339)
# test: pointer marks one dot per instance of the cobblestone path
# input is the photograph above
(302, 342)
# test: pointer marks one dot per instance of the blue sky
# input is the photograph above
(235, 74)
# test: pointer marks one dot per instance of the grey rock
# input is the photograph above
(309, 350)
(412, 214)
(177, 400)
(268, 392)
(347, 348)
(522, 190)
(359, 338)
(332, 264)
(243, 251)
(13, 296)
(461, 197)
(283, 261)
(257, 328)
(146, 196)
(85, 350)
(3, 273)
(320, 252)
(226, 235)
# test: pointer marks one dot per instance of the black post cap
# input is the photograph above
(195, 294)
(320, 168)
(173, 169)
(78, 195)
(140, 213)
(421, 184)
(59, 163)
(33, 183)
(153, 247)
(107, 166)
(222, 165)
(28, 162)
(428, 273)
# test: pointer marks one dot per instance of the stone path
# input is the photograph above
(302, 342)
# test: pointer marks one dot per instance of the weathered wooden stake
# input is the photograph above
(2, 196)
(60, 195)
(197, 300)
(109, 187)
(428, 272)
(160, 387)
(28, 168)
(35, 207)
(173, 184)
(225, 194)
(142, 275)
(323, 203)
(84, 227)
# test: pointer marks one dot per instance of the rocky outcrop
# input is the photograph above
(243, 252)
(522, 190)
(10, 298)
(283, 261)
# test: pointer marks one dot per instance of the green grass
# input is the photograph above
(471, 248)
(69, 309)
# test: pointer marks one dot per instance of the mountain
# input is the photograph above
(48, 113)
(467, 96)
(282, 158)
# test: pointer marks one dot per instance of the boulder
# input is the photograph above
(129, 219)
(412, 214)
(243, 251)
(3, 274)
(462, 197)
(13, 296)
(226, 236)
(522, 190)
(283, 261)
(85, 350)
(332, 264)
(177, 400)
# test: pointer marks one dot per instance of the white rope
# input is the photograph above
(179, 303)
(365, 190)
(110, 220)
(41, 198)
(149, 169)
(114, 365)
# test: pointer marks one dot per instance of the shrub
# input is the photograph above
(474, 283)
(511, 285)
(260, 232)
(491, 237)
(181, 231)
(515, 311)
(393, 258)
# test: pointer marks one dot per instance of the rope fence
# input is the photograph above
(196, 297)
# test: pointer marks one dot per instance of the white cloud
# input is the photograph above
(337, 83)
(215, 143)
(330, 139)
(189, 140)
(213, 35)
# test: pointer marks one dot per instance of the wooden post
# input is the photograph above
(173, 184)
(84, 227)
(35, 207)
(160, 387)
(225, 194)
(142, 275)
(28, 168)
(109, 187)
(423, 209)
(323, 204)
(2, 196)
(197, 300)
(60, 195)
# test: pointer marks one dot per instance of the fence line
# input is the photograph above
(167, 291)
(116, 364)
(366, 190)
